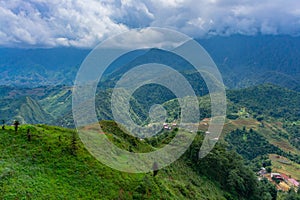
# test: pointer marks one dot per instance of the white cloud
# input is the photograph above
(52, 23)
(146, 38)
(85, 23)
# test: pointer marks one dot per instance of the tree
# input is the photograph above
(292, 195)
(155, 168)
(3, 124)
(260, 118)
(16, 124)
(28, 135)
(73, 143)
(267, 190)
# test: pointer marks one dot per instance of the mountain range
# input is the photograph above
(242, 60)
(261, 75)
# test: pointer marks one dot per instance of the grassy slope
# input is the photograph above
(284, 165)
(24, 109)
(272, 131)
(45, 168)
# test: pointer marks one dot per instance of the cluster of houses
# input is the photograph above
(283, 177)
(291, 182)
(169, 126)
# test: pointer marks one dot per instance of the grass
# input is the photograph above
(47, 168)
(272, 131)
(290, 168)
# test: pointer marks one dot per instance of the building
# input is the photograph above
(262, 171)
(277, 176)
(294, 182)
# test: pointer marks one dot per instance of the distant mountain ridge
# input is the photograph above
(242, 60)
(53, 105)
(38, 67)
(251, 60)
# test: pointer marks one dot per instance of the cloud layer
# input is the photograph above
(48, 23)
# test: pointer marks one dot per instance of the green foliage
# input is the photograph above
(228, 169)
(45, 168)
(255, 145)
(292, 195)
(294, 133)
(23, 109)
(268, 101)
(267, 190)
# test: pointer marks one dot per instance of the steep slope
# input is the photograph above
(57, 101)
(25, 109)
(50, 166)
(269, 101)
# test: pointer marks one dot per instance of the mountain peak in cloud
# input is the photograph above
(45, 23)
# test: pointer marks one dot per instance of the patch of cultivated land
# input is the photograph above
(283, 165)
(272, 131)
(275, 134)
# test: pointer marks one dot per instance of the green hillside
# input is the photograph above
(47, 168)
(261, 121)
(25, 109)
(53, 164)
(269, 101)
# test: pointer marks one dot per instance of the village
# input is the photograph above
(167, 126)
(282, 181)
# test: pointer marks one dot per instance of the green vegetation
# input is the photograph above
(268, 101)
(250, 144)
(262, 120)
(284, 165)
(229, 170)
(25, 109)
(292, 195)
(294, 133)
(53, 164)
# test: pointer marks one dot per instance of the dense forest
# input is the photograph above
(250, 144)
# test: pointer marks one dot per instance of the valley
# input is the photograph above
(260, 134)
(35, 106)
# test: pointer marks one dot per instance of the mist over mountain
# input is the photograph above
(37, 67)
(242, 60)
(250, 60)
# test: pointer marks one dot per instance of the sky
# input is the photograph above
(85, 23)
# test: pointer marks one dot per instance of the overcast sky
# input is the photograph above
(84, 23)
